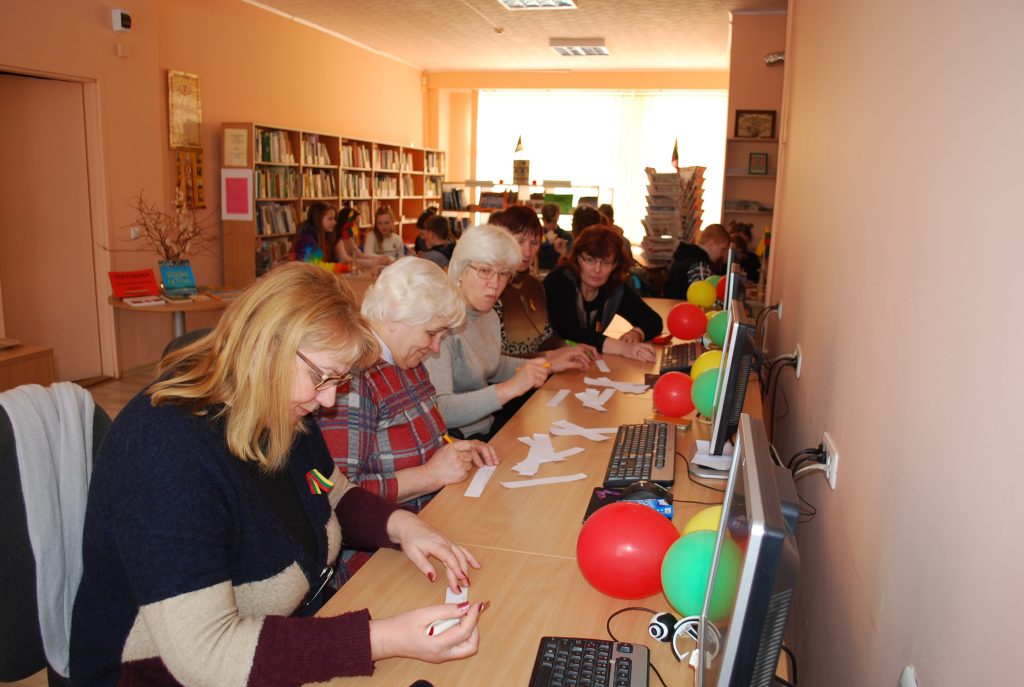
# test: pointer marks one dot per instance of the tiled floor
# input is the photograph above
(110, 395)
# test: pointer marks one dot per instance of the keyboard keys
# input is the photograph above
(579, 662)
(642, 451)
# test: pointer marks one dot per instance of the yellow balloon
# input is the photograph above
(708, 360)
(706, 519)
(701, 294)
(711, 313)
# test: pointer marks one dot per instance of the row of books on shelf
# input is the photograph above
(315, 151)
(432, 163)
(385, 185)
(431, 187)
(355, 184)
(737, 205)
(453, 199)
(386, 158)
(275, 218)
(274, 146)
(276, 183)
(355, 155)
(271, 253)
(318, 184)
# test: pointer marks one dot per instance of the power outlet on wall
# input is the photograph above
(831, 460)
(799, 360)
(908, 678)
(133, 233)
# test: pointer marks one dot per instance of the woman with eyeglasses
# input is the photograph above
(215, 512)
(589, 289)
(473, 378)
(386, 433)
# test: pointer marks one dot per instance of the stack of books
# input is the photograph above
(674, 202)
(658, 250)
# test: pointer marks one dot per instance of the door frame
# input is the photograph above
(99, 212)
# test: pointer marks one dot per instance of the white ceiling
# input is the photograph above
(475, 35)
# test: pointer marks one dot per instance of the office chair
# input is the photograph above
(21, 644)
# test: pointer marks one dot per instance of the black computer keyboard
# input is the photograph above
(643, 451)
(678, 357)
(572, 661)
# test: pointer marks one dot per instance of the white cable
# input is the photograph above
(690, 626)
(808, 469)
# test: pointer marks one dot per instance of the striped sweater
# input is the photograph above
(190, 574)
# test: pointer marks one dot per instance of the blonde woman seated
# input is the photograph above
(215, 513)
(386, 433)
(382, 239)
(472, 377)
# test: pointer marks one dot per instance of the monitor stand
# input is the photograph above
(714, 467)
(702, 472)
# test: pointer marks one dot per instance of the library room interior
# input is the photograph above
(247, 437)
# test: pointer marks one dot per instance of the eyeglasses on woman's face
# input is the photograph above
(322, 380)
(488, 273)
(591, 261)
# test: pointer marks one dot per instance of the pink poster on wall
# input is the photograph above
(236, 194)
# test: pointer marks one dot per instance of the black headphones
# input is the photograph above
(662, 626)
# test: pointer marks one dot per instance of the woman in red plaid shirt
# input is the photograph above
(386, 434)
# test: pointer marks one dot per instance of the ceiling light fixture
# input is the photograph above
(538, 4)
(578, 47)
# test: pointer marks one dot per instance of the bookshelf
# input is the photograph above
(293, 169)
(477, 199)
(749, 197)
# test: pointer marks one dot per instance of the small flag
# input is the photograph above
(519, 145)
(318, 484)
(675, 154)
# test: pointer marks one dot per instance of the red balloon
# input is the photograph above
(720, 289)
(621, 547)
(687, 322)
(672, 394)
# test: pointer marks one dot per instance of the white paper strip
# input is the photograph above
(603, 366)
(564, 428)
(543, 480)
(558, 398)
(451, 597)
(479, 481)
(625, 387)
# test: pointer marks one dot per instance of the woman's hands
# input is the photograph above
(577, 357)
(451, 463)
(530, 375)
(634, 335)
(406, 634)
(420, 541)
(635, 350)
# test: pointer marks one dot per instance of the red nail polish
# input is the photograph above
(431, 576)
(464, 605)
(430, 632)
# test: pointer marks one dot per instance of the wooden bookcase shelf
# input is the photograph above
(293, 169)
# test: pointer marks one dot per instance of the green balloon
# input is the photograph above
(685, 570)
(702, 393)
(716, 328)
(713, 279)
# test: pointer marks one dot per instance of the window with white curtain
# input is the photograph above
(605, 139)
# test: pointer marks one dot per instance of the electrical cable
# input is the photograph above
(699, 484)
(784, 683)
(792, 662)
(761, 324)
(808, 469)
(608, 629)
(773, 382)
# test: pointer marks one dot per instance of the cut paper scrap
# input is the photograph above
(543, 480)
(592, 398)
(558, 398)
(451, 597)
(704, 458)
(541, 451)
(603, 366)
(564, 428)
(625, 387)
(479, 481)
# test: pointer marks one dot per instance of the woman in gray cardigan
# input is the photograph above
(472, 377)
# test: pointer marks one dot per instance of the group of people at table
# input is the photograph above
(273, 455)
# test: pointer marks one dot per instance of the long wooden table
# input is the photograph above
(526, 541)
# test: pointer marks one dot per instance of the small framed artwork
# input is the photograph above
(185, 110)
(758, 164)
(755, 124)
(236, 194)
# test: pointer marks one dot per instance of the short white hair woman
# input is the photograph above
(386, 433)
(472, 377)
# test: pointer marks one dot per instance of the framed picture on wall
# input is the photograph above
(755, 124)
(758, 164)
(184, 110)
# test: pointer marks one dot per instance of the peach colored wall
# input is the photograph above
(752, 84)
(638, 80)
(298, 77)
(896, 260)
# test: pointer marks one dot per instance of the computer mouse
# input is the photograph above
(645, 489)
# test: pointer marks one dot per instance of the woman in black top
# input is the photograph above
(589, 288)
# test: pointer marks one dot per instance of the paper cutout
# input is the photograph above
(625, 387)
(543, 480)
(592, 398)
(541, 451)
(603, 366)
(558, 398)
(451, 597)
(479, 481)
(564, 428)
(704, 458)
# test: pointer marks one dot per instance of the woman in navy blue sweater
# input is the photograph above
(216, 513)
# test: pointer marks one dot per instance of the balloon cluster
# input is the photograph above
(629, 551)
(676, 394)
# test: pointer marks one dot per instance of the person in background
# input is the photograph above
(557, 242)
(345, 248)
(215, 512)
(383, 240)
(744, 257)
(385, 433)
(522, 308)
(588, 289)
(607, 211)
(473, 378)
(313, 234)
(438, 241)
(421, 245)
(583, 217)
(692, 263)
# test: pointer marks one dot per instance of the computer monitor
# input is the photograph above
(759, 516)
(734, 287)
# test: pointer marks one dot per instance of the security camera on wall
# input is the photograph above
(122, 20)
